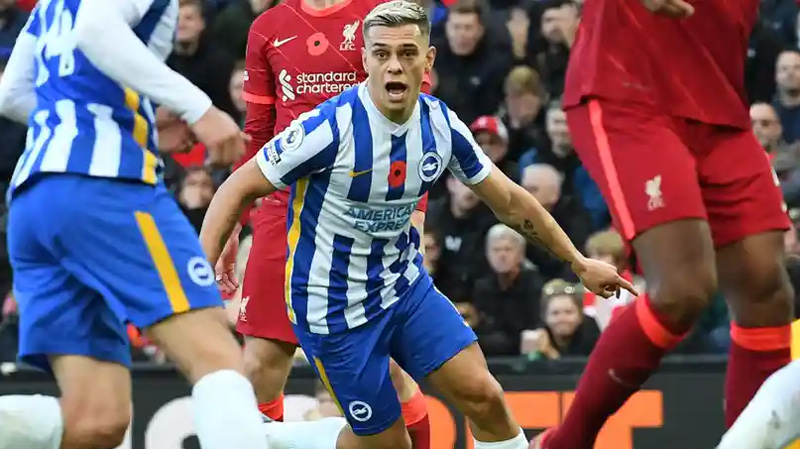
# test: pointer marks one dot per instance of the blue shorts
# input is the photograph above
(90, 255)
(421, 332)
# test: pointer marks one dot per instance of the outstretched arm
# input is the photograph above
(103, 31)
(517, 208)
(238, 191)
(307, 146)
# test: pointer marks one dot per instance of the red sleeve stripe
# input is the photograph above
(260, 99)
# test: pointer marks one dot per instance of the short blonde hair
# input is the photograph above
(524, 80)
(606, 243)
(395, 14)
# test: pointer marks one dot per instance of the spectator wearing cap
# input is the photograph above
(507, 297)
(521, 112)
(544, 183)
(492, 135)
(560, 153)
(471, 65)
(12, 21)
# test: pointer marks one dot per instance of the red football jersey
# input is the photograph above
(297, 58)
(691, 68)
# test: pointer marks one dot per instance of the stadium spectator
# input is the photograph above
(463, 221)
(787, 102)
(762, 54)
(561, 154)
(491, 340)
(524, 97)
(519, 25)
(194, 194)
(12, 21)
(201, 59)
(26, 5)
(432, 245)
(567, 331)
(548, 50)
(492, 135)
(507, 297)
(470, 64)
(792, 248)
(544, 182)
(235, 88)
(233, 23)
(9, 329)
(12, 144)
(785, 157)
(767, 127)
(609, 246)
(780, 16)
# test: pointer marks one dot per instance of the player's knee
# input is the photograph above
(96, 428)
(481, 398)
(766, 287)
(685, 294)
(212, 347)
(267, 362)
(395, 437)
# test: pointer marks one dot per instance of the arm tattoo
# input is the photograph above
(529, 232)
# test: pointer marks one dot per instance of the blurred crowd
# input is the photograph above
(500, 66)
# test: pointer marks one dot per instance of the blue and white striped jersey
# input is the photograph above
(356, 178)
(84, 121)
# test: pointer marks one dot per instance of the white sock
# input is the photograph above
(30, 422)
(518, 442)
(772, 418)
(321, 434)
(226, 412)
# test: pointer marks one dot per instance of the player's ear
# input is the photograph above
(430, 57)
(364, 59)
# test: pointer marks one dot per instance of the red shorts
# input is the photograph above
(654, 169)
(263, 313)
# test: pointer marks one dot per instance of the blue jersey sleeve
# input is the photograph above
(33, 27)
(468, 162)
(309, 145)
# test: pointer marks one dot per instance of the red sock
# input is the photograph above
(628, 351)
(415, 414)
(273, 409)
(755, 354)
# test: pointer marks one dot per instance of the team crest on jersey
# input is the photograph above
(293, 137)
(430, 167)
(349, 35)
